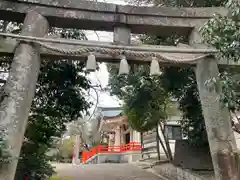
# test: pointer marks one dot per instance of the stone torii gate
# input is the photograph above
(122, 20)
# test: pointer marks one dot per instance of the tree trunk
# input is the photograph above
(19, 90)
(163, 146)
(142, 146)
(167, 144)
(158, 147)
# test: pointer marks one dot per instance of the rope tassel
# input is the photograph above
(154, 67)
(124, 67)
(91, 63)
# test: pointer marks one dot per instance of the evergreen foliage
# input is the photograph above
(222, 33)
(59, 99)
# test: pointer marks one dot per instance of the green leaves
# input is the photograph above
(234, 9)
(146, 105)
(181, 83)
(228, 95)
(223, 32)
(59, 99)
(143, 96)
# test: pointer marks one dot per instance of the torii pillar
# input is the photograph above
(121, 35)
(217, 118)
(19, 90)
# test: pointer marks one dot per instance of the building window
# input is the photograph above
(173, 132)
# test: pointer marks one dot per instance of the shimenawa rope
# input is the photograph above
(103, 50)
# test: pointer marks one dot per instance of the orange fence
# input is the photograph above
(130, 147)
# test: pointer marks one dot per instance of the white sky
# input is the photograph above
(102, 75)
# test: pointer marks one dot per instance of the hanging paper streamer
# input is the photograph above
(154, 67)
(91, 63)
(124, 67)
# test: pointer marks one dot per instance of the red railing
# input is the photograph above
(130, 147)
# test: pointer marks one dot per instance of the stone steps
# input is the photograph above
(149, 136)
(150, 140)
(149, 147)
(151, 144)
(149, 150)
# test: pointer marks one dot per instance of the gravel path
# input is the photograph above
(103, 172)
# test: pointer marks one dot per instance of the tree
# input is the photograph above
(59, 99)
(144, 109)
(145, 100)
(185, 89)
(66, 148)
(222, 32)
(135, 94)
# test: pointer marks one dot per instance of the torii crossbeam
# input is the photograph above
(105, 16)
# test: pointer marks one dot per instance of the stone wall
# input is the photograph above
(105, 158)
(195, 158)
(131, 157)
(176, 173)
(109, 158)
(114, 158)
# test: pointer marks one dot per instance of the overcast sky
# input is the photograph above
(102, 75)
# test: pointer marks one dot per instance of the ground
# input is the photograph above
(103, 172)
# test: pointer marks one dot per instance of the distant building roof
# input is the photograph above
(111, 113)
(108, 112)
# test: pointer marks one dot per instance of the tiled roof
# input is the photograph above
(111, 111)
